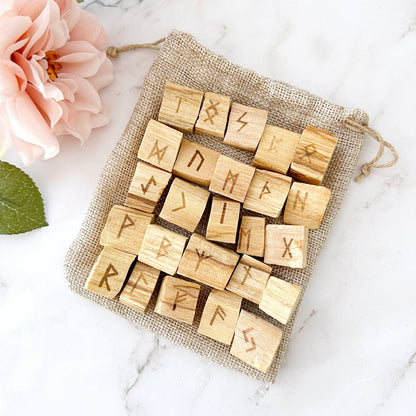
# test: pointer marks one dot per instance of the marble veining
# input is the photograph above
(353, 348)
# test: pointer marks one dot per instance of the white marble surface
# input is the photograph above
(353, 351)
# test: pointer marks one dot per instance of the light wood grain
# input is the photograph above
(109, 272)
(249, 279)
(223, 220)
(251, 236)
(245, 127)
(276, 149)
(125, 229)
(231, 178)
(280, 299)
(180, 107)
(267, 193)
(140, 286)
(195, 163)
(160, 145)
(220, 316)
(306, 205)
(313, 155)
(177, 299)
(213, 116)
(147, 187)
(207, 262)
(256, 341)
(162, 248)
(184, 204)
(286, 245)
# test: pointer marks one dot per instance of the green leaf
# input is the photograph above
(80, 1)
(21, 204)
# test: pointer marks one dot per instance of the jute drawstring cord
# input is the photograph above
(114, 52)
(366, 167)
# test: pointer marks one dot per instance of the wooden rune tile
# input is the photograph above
(147, 187)
(162, 248)
(207, 262)
(220, 316)
(249, 279)
(140, 286)
(184, 204)
(160, 145)
(313, 155)
(109, 272)
(231, 178)
(180, 107)
(245, 127)
(256, 341)
(213, 117)
(125, 229)
(195, 163)
(177, 299)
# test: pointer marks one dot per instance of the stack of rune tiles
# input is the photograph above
(190, 179)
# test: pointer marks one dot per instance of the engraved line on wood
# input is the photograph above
(160, 153)
(247, 233)
(266, 190)
(219, 311)
(310, 149)
(149, 182)
(197, 153)
(247, 340)
(140, 277)
(299, 199)
(201, 256)
(179, 103)
(274, 142)
(127, 222)
(247, 275)
(224, 208)
(110, 272)
(244, 123)
(183, 203)
(230, 177)
(180, 297)
(212, 107)
(163, 248)
(287, 247)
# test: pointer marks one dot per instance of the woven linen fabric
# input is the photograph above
(184, 61)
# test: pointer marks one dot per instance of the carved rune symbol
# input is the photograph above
(244, 123)
(197, 153)
(158, 152)
(110, 272)
(273, 144)
(244, 233)
(247, 340)
(179, 103)
(309, 151)
(180, 297)
(163, 248)
(141, 277)
(183, 203)
(300, 200)
(149, 182)
(247, 275)
(201, 256)
(127, 222)
(219, 311)
(265, 190)
(224, 208)
(212, 107)
(287, 247)
(232, 178)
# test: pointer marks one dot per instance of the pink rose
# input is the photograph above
(52, 65)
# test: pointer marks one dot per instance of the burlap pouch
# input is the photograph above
(184, 61)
